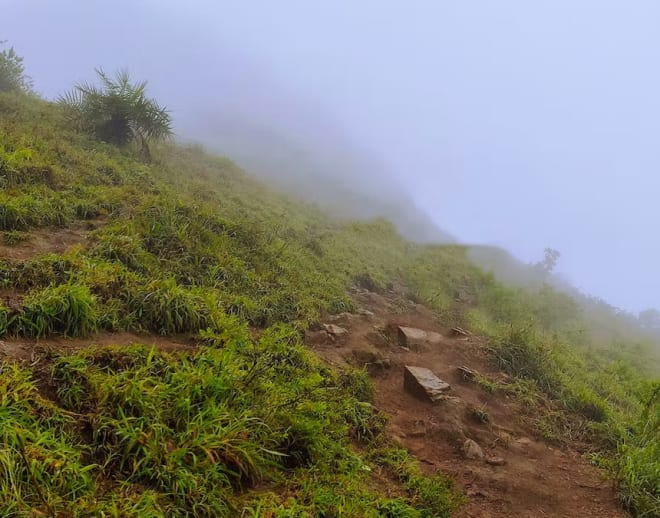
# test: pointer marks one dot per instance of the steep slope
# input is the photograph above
(522, 474)
(230, 414)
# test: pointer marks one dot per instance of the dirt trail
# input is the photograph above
(31, 350)
(47, 241)
(528, 478)
(535, 479)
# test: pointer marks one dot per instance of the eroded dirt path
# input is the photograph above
(47, 241)
(535, 478)
(27, 350)
(529, 479)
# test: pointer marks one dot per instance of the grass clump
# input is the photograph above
(195, 434)
(5, 319)
(42, 470)
(68, 309)
(431, 496)
(14, 237)
(638, 464)
(167, 308)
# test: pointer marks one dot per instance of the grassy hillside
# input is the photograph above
(250, 422)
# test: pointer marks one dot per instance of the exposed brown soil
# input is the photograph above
(521, 476)
(535, 479)
(46, 241)
(11, 298)
(31, 350)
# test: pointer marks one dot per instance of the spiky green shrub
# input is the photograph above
(68, 309)
(118, 111)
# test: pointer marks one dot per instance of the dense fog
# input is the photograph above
(516, 124)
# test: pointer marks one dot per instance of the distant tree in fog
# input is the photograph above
(12, 72)
(546, 266)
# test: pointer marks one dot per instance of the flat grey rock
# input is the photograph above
(417, 339)
(422, 383)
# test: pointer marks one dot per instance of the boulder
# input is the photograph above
(471, 450)
(417, 339)
(423, 384)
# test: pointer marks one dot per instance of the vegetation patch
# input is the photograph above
(68, 309)
(251, 423)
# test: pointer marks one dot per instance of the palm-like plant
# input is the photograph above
(118, 111)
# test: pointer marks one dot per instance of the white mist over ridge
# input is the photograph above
(515, 123)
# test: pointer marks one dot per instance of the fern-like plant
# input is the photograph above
(118, 111)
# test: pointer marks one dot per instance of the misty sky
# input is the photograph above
(516, 123)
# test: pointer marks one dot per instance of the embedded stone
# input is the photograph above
(466, 373)
(334, 329)
(417, 339)
(342, 318)
(423, 384)
(459, 331)
(471, 450)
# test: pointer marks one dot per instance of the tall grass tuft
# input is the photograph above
(165, 307)
(68, 309)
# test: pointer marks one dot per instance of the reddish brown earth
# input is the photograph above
(536, 479)
(39, 242)
(46, 241)
(32, 350)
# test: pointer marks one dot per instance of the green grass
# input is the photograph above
(67, 309)
(196, 434)
(251, 424)
(14, 237)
